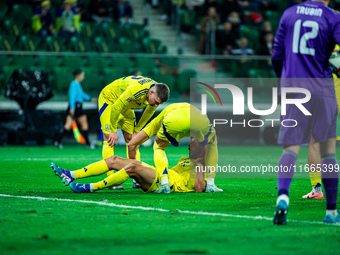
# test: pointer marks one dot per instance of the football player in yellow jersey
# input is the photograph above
(180, 176)
(116, 104)
(177, 121)
(314, 158)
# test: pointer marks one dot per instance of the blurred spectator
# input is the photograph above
(36, 3)
(68, 21)
(100, 11)
(79, 5)
(209, 3)
(243, 48)
(226, 39)
(254, 18)
(255, 5)
(209, 26)
(267, 46)
(265, 29)
(234, 19)
(252, 5)
(42, 22)
(191, 4)
(125, 11)
(267, 5)
(229, 6)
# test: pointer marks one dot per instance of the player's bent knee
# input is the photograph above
(111, 161)
(131, 169)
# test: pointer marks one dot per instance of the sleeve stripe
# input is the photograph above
(141, 92)
(136, 94)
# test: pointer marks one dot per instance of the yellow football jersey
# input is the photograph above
(131, 91)
(180, 178)
(127, 93)
(180, 120)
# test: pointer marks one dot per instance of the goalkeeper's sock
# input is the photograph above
(334, 212)
(330, 180)
(113, 180)
(94, 169)
(85, 134)
(282, 197)
(286, 172)
(107, 152)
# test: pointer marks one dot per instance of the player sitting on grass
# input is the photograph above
(177, 121)
(181, 178)
(116, 104)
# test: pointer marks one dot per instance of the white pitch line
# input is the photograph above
(69, 159)
(164, 210)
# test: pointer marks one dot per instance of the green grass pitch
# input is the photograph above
(116, 222)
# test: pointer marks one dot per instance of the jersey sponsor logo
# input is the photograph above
(129, 99)
(107, 127)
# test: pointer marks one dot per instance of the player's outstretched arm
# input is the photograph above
(147, 114)
(137, 140)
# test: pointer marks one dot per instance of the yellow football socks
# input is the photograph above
(106, 153)
(315, 178)
(161, 162)
(314, 159)
(113, 180)
(94, 169)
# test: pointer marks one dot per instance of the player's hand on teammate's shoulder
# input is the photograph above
(113, 138)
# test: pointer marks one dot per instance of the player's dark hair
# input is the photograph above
(162, 91)
(77, 72)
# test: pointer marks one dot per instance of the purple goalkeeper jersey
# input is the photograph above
(304, 41)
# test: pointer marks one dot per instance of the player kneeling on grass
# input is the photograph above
(181, 178)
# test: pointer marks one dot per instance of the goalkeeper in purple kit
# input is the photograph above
(303, 43)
